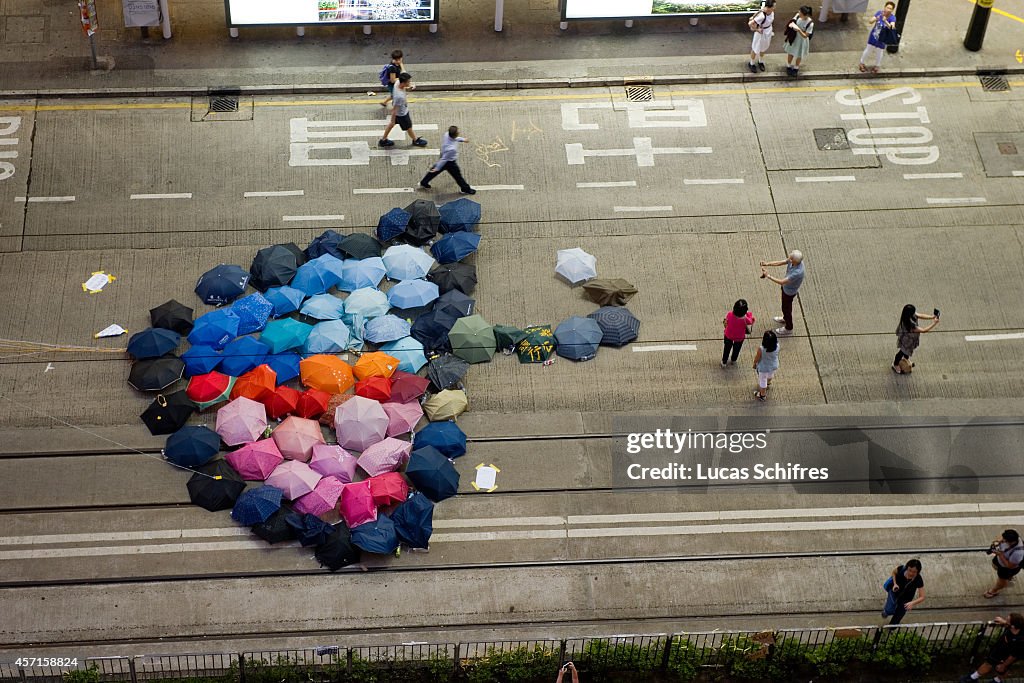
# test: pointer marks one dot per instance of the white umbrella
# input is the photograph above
(576, 265)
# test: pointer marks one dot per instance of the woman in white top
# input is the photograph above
(761, 25)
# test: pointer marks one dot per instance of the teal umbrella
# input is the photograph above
(285, 334)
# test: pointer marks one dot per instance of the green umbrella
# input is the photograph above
(537, 346)
(507, 337)
(472, 339)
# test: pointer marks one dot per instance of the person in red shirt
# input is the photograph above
(738, 324)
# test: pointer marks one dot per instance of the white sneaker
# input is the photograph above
(779, 319)
(782, 331)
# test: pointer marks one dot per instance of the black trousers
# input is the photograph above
(730, 345)
(454, 170)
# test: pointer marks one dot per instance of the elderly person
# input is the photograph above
(790, 286)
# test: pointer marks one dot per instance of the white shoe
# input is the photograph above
(782, 331)
(779, 319)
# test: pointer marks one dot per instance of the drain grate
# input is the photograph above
(994, 83)
(639, 93)
(831, 138)
(223, 103)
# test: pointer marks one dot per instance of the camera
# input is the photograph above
(992, 549)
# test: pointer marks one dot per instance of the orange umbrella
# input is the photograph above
(376, 364)
(312, 403)
(281, 402)
(326, 373)
(258, 384)
(377, 388)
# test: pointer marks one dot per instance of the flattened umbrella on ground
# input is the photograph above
(296, 436)
(356, 504)
(200, 359)
(384, 456)
(322, 499)
(424, 222)
(222, 284)
(242, 355)
(241, 421)
(376, 388)
(406, 386)
(276, 529)
(377, 536)
(432, 474)
(360, 423)
(575, 265)
(359, 245)
(152, 342)
(210, 389)
(409, 353)
(191, 446)
(455, 246)
(337, 551)
(331, 265)
(409, 294)
(392, 224)
(286, 365)
(284, 334)
(155, 374)
(255, 461)
(577, 338)
(331, 460)
(507, 337)
(414, 520)
(357, 274)
(446, 437)
(609, 291)
(258, 384)
(215, 329)
(167, 414)
(310, 529)
(375, 364)
(388, 488)
(457, 301)
(406, 262)
(281, 402)
(215, 486)
(273, 266)
(402, 417)
(255, 506)
(537, 346)
(294, 478)
(460, 215)
(618, 325)
(327, 243)
(446, 405)
(285, 299)
(385, 329)
(172, 315)
(446, 371)
(327, 373)
(431, 329)
(253, 312)
(329, 336)
(472, 339)
(367, 303)
(312, 403)
(323, 307)
(460, 276)
(314, 277)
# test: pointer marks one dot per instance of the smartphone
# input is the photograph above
(935, 313)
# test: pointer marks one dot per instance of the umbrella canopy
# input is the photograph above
(284, 334)
(431, 329)
(409, 294)
(255, 506)
(455, 246)
(367, 272)
(432, 474)
(446, 437)
(167, 414)
(242, 355)
(388, 488)
(414, 520)
(406, 262)
(172, 315)
(537, 345)
(360, 245)
(241, 421)
(449, 276)
(385, 329)
(360, 423)
(423, 223)
(312, 403)
(402, 417)
(222, 284)
(253, 312)
(153, 342)
(356, 504)
(446, 405)
(457, 302)
(609, 291)
(506, 337)
(155, 374)
(215, 329)
(332, 460)
(618, 325)
(327, 243)
(285, 299)
(294, 478)
(377, 536)
(577, 338)
(392, 224)
(200, 360)
(281, 402)
(316, 276)
(327, 419)
(310, 529)
(323, 307)
(286, 365)
(255, 461)
(409, 353)
(367, 303)
(327, 373)
(296, 436)
(215, 486)
(273, 266)
(337, 551)
(406, 386)
(258, 384)
(575, 265)
(375, 364)
(329, 336)
(191, 446)
(209, 389)
(472, 338)
(322, 499)
(446, 371)
(385, 456)
(276, 529)
(376, 388)
(460, 215)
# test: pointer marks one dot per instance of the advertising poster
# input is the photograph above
(312, 12)
(636, 9)
(141, 13)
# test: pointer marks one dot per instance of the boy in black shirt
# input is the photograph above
(1005, 652)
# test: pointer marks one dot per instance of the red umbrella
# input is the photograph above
(357, 506)
(209, 387)
(256, 384)
(388, 488)
(377, 388)
(405, 386)
(281, 402)
(312, 403)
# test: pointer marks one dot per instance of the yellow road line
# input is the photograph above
(1001, 12)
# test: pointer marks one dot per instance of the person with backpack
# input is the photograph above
(798, 40)
(449, 161)
(389, 75)
(1007, 553)
(761, 25)
(766, 362)
(908, 337)
(400, 114)
(738, 324)
(883, 19)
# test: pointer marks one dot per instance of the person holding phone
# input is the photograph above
(568, 666)
(908, 337)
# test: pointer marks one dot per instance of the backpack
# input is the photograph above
(385, 74)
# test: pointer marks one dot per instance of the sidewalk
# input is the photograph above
(42, 49)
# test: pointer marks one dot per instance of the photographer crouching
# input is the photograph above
(1007, 554)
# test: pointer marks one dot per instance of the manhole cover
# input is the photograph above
(223, 103)
(831, 138)
(994, 83)
(1007, 148)
(639, 93)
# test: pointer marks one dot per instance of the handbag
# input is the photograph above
(889, 36)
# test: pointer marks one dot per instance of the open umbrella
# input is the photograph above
(388, 488)
(312, 403)
(506, 337)
(609, 291)
(367, 272)
(296, 436)
(446, 437)
(449, 276)
(375, 364)
(575, 265)
(172, 315)
(284, 299)
(406, 386)
(200, 360)
(286, 365)
(359, 245)
(327, 373)
(537, 346)
(222, 284)
(367, 303)
(446, 405)
(457, 301)
(577, 338)
(282, 401)
(409, 353)
(316, 276)
(618, 325)
(255, 461)
(332, 460)
(377, 536)
(284, 334)
(406, 262)
(155, 374)
(412, 294)
(414, 520)
(455, 246)
(431, 329)
(432, 474)
(337, 550)
(323, 307)
(360, 423)
(386, 328)
(253, 312)
(273, 266)
(376, 388)
(310, 529)
(167, 414)
(402, 417)
(255, 506)
(242, 355)
(276, 529)
(327, 243)
(424, 222)
(210, 389)
(294, 478)
(152, 342)
(459, 215)
(384, 456)
(446, 371)
(241, 421)
(191, 446)
(258, 384)
(215, 486)
(392, 224)
(215, 329)
(356, 504)
(329, 336)
(322, 499)
(327, 419)
(472, 338)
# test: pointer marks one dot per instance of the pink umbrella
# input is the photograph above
(402, 417)
(357, 506)
(360, 422)
(322, 499)
(296, 437)
(385, 456)
(333, 461)
(241, 421)
(255, 461)
(294, 478)
(388, 488)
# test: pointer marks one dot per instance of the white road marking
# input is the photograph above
(614, 183)
(151, 535)
(665, 347)
(304, 130)
(640, 209)
(175, 195)
(956, 200)
(994, 337)
(474, 536)
(486, 188)
(313, 218)
(931, 176)
(22, 200)
(279, 193)
(382, 190)
(826, 179)
(41, 553)
(713, 181)
(498, 521)
(1018, 174)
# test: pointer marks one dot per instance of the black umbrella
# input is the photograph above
(424, 222)
(154, 374)
(309, 529)
(172, 315)
(460, 276)
(618, 325)
(446, 371)
(300, 256)
(276, 529)
(431, 329)
(215, 486)
(273, 266)
(456, 299)
(167, 414)
(360, 245)
(222, 284)
(337, 551)
(326, 243)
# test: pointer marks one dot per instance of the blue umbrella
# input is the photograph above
(392, 224)
(446, 437)
(367, 302)
(455, 246)
(461, 304)
(432, 474)
(242, 355)
(356, 325)
(316, 276)
(409, 353)
(215, 329)
(256, 505)
(406, 262)
(323, 307)
(222, 284)
(285, 299)
(386, 328)
(618, 325)
(286, 365)
(326, 243)
(414, 520)
(253, 312)
(192, 446)
(578, 338)
(331, 336)
(462, 214)
(412, 293)
(310, 529)
(367, 272)
(200, 360)
(284, 334)
(431, 329)
(377, 536)
(153, 342)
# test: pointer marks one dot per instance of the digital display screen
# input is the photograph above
(313, 12)
(632, 9)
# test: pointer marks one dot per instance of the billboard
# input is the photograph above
(643, 9)
(242, 13)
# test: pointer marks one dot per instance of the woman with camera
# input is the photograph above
(1007, 554)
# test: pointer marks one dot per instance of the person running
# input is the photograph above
(908, 337)
(761, 25)
(766, 362)
(1008, 649)
(738, 323)
(391, 72)
(884, 18)
(799, 29)
(904, 590)
(449, 162)
(400, 114)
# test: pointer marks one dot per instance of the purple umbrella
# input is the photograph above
(333, 461)
(403, 417)
(296, 437)
(322, 499)
(241, 421)
(294, 478)
(385, 456)
(255, 461)
(360, 422)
